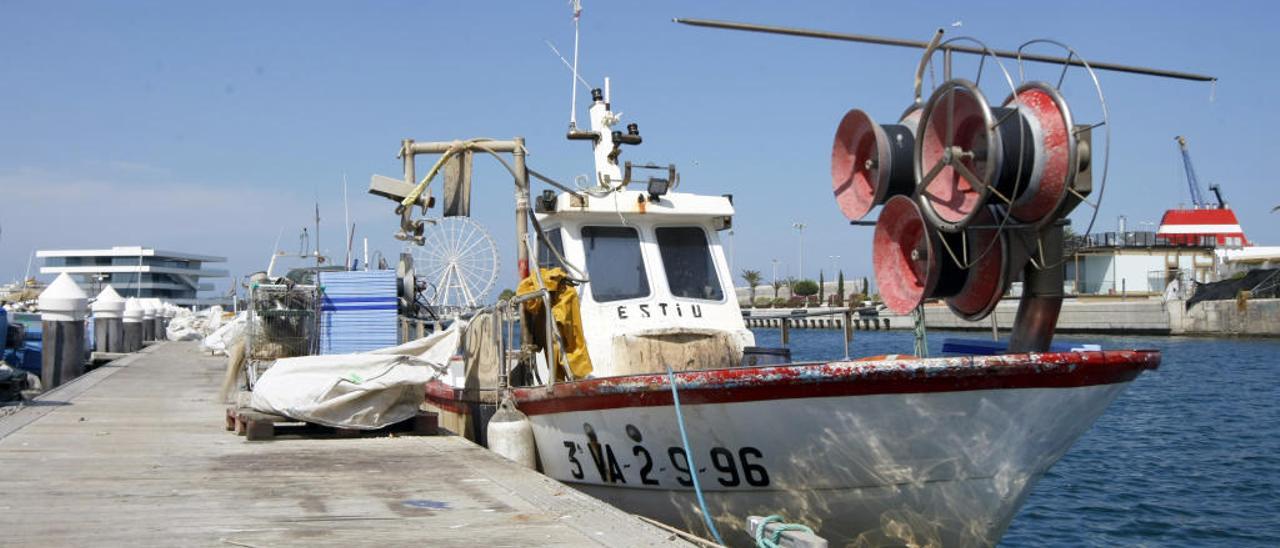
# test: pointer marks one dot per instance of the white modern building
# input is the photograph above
(136, 271)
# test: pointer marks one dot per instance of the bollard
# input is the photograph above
(148, 320)
(169, 311)
(157, 321)
(108, 310)
(131, 324)
(63, 307)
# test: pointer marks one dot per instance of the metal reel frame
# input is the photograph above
(1005, 219)
(1075, 197)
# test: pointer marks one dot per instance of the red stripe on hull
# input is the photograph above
(1052, 370)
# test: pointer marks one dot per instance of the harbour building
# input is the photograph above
(136, 271)
(1190, 246)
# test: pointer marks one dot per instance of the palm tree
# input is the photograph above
(822, 288)
(840, 289)
(752, 277)
(777, 284)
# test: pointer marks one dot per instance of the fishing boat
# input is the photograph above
(625, 369)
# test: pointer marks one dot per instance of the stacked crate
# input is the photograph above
(358, 311)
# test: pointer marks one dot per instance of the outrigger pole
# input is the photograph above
(920, 44)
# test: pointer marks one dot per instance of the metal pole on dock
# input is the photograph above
(131, 326)
(108, 310)
(63, 308)
(848, 331)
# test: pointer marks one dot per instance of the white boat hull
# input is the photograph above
(940, 468)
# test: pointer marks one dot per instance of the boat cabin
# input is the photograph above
(659, 291)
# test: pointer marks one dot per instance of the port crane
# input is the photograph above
(1197, 197)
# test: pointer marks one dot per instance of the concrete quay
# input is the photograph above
(134, 453)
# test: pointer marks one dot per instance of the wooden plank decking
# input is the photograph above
(135, 454)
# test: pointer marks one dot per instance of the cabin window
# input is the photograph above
(547, 258)
(687, 260)
(615, 266)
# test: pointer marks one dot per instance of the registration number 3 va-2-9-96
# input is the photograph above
(730, 468)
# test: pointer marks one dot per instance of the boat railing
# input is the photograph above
(507, 316)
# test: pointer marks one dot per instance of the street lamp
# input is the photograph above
(800, 232)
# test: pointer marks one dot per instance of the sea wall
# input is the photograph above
(1106, 316)
(1143, 316)
(1248, 317)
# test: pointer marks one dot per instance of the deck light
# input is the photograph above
(658, 187)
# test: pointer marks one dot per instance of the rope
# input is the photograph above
(693, 468)
(922, 341)
(773, 540)
(552, 182)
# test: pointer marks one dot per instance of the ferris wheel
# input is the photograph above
(457, 263)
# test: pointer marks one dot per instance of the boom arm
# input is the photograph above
(1197, 197)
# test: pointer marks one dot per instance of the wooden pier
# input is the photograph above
(135, 453)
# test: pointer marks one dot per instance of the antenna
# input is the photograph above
(573, 83)
(350, 242)
(317, 233)
(346, 220)
(27, 274)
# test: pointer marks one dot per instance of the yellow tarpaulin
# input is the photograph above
(568, 319)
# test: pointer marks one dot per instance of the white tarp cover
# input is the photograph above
(225, 335)
(185, 326)
(362, 391)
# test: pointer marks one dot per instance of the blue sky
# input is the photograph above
(213, 127)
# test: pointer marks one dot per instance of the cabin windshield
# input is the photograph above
(686, 259)
(615, 266)
(547, 258)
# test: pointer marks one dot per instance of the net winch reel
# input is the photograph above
(987, 184)
(871, 163)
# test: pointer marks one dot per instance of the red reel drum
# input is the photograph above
(907, 258)
(961, 133)
(870, 162)
(988, 277)
(1054, 146)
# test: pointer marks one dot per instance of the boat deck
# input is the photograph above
(135, 453)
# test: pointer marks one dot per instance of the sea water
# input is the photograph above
(1189, 455)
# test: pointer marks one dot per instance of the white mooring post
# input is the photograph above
(148, 321)
(132, 326)
(157, 322)
(63, 308)
(108, 314)
(169, 312)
